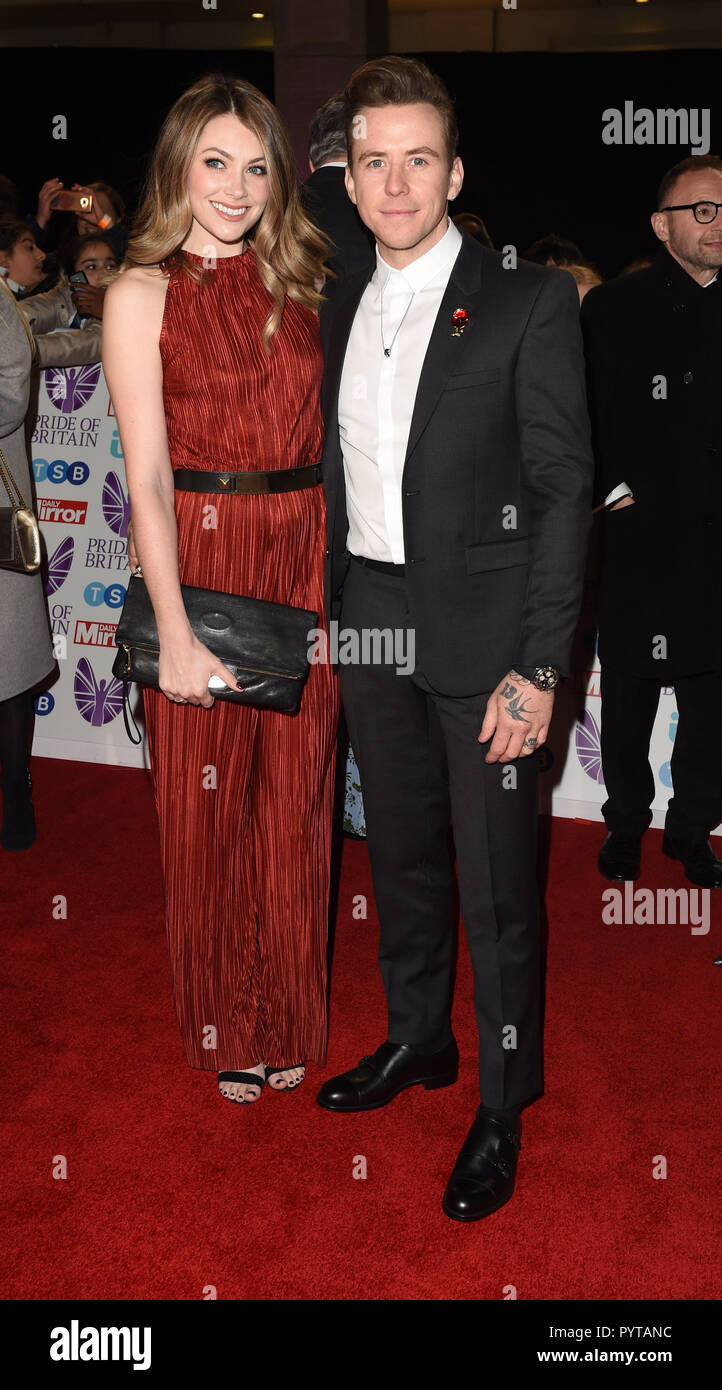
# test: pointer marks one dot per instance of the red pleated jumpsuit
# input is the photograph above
(244, 796)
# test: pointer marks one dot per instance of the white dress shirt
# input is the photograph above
(377, 393)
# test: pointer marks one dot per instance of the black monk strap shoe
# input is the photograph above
(392, 1068)
(484, 1172)
(619, 856)
(701, 864)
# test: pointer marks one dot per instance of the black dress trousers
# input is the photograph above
(629, 709)
(423, 770)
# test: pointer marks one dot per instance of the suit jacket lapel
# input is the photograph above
(339, 330)
(445, 350)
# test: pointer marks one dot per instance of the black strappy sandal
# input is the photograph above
(244, 1078)
(293, 1086)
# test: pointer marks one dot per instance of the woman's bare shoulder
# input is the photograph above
(140, 282)
(137, 299)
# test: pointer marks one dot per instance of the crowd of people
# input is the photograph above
(400, 433)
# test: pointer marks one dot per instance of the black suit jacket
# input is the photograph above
(654, 352)
(497, 478)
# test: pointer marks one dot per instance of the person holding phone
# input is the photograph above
(212, 353)
(66, 321)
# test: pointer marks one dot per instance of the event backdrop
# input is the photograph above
(83, 508)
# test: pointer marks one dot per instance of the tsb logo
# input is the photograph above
(61, 472)
(45, 703)
(68, 513)
(112, 594)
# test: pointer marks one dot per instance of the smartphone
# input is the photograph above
(79, 277)
(69, 201)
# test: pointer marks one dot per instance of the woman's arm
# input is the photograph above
(132, 364)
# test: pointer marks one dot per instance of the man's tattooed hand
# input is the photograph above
(519, 709)
(516, 701)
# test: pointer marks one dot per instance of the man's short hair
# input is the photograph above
(555, 249)
(327, 136)
(685, 166)
(395, 81)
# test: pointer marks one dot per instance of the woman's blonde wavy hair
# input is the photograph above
(290, 251)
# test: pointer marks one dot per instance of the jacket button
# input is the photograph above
(327, 550)
(688, 378)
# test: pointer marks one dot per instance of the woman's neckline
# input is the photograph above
(220, 260)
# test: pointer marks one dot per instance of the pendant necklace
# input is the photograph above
(387, 350)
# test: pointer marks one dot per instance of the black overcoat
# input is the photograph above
(654, 356)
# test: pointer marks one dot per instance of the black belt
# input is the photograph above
(383, 566)
(273, 480)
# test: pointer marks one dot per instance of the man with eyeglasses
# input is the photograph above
(654, 353)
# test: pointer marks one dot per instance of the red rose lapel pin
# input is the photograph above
(459, 319)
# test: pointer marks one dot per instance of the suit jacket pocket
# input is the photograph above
(497, 555)
(486, 378)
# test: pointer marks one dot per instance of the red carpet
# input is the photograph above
(170, 1190)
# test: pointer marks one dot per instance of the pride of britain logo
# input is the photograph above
(70, 387)
(587, 740)
(59, 565)
(98, 701)
(116, 504)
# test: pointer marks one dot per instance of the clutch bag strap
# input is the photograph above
(5, 474)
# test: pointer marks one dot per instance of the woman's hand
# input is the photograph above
(184, 668)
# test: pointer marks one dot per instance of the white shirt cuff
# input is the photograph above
(621, 490)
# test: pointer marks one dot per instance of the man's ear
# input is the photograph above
(348, 176)
(456, 179)
(660, 224)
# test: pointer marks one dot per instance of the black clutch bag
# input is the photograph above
(265, 645)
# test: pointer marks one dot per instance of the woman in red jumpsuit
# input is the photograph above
(212, 352)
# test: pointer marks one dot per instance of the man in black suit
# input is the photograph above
(326, 201)
(654, 348)
(458, 472)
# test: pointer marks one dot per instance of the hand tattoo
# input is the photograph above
(518, 710)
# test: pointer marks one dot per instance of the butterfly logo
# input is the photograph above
(588, 745)
(115, 504)
(98, 701)
(59, 565)
(71, 387)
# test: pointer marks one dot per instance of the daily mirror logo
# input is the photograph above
(101, 1344)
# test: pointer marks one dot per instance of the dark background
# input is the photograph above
(530, 126)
